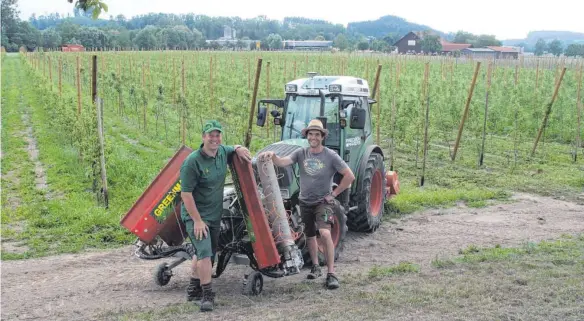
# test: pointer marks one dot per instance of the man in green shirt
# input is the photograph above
(202, 180)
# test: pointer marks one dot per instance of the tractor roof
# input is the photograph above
(350, 86)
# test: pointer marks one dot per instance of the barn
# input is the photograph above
(409, 44)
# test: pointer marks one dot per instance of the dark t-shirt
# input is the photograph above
(204, 176)
(316, 173)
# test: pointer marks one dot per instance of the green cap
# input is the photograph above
(211, 126)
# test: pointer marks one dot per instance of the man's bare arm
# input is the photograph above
(282, 161)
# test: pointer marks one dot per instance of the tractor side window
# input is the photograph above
(351, 132)
(365, 105)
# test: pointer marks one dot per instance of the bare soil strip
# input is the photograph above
(96, 285)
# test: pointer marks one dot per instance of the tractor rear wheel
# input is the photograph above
(370, 197)
(338, 234)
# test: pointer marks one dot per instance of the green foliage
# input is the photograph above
(377, 272)
(540, 47)
(384, 25)
(363, 45)
(556, 47)
(274, 41)
(431, 43)
(477, 41)
(96, 7)
(575, 50)
(341, 42)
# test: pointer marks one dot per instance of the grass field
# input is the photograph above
(144, 103)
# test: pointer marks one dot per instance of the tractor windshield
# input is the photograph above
(301, 110)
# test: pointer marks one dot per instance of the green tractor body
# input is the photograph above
(343, 105)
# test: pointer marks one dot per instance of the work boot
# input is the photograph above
(332, 282)
(208, 300)
(194, 290)
(314, 272)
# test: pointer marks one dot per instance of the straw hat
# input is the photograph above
(315, 124)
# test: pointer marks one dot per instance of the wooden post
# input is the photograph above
(120, 84)
(184, 90)
(60, 77)
(394, 115)
(268, 95)
(579, 116)
(94, 79)
(173, 82)
(50, 73)
(488, 87)
(376, 83)
(378, 108)
(466, 107)
(537, 74)
(78, 87)
(253, 102)
(548, 111)
(99, 111)
(423, 101)
(211, 83)
(426, 125)
(294, 69)
(143, 75)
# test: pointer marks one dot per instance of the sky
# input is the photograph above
(508, 19)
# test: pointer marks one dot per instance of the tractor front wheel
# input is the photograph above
(370, 197)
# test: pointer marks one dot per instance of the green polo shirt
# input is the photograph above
(204, 176)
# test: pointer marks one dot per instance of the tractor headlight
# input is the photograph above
(291, 88)
(335, 88)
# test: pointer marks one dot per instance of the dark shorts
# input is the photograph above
(319, 216)
(207, 246)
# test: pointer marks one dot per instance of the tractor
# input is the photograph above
(343, 105)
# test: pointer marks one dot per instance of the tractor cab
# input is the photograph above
(340, 102)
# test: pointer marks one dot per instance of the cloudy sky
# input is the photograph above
(504, 19)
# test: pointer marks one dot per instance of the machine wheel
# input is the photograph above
(253, 284)
(162, 275)
(338, 233)
(370, 198)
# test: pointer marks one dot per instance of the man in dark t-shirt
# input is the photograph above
(318, 165)
(202, 180)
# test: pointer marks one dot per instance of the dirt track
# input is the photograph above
(96, 284)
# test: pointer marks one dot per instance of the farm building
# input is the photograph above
(307, 45)
(449, 48)
(409, 44)
(505, 52)
(72, 48)
(479, 53)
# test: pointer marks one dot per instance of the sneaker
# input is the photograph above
(314, 272)
(194, 292)
(208, 301)
(332, 282)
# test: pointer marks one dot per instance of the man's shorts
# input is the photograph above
(207, 246)
(318, 216)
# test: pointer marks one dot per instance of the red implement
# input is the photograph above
(259, 232)
(157, 211)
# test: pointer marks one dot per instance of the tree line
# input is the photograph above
(87, 26)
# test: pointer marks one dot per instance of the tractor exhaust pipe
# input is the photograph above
(277, 217)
